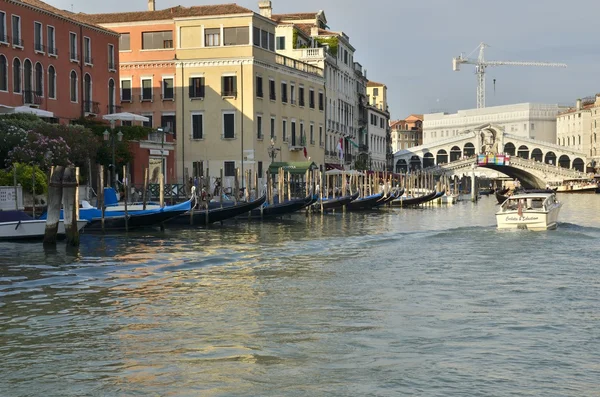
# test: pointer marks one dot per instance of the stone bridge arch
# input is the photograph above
(523, 152)
(428, 160)
(537, 155)
(564, 161)
(550, 158)
(415, 163)
(441, 157)
(469, 149)
(509, 148)
(578, 164)
(401, 166)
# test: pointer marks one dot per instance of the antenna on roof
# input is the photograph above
(72, 7)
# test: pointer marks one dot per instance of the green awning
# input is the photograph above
(353, 143)
(296, 168)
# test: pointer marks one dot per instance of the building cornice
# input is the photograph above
(146, 65)
(98, 29)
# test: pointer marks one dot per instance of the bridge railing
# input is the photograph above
(547, 168)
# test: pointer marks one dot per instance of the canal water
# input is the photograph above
(427, 302)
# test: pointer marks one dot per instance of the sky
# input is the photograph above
(409, 45)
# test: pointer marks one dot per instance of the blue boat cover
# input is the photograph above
(110, 196)
(13, 216)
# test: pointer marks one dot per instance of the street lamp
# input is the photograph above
(273, 150)
(111, 135)
(163, 130)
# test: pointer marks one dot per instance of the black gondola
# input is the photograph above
(406, 202)
(280, 209)
(336, 203)
(200, 216)
(386, 200)
(365, 203)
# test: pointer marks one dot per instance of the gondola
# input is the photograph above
(280, 209)
(205, 217)
(386, 200)
(364, 203)
(406, 202)
(118, 221)
(336, 203)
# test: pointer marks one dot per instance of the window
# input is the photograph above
(236, 36)
(272, 90)
(311, 98)
(259, 134)
(87, 93)
(198, 168)
(300, 96)
(37, 37)
(124, 42)
(51, 41)
(280, 42)
(228, 86)
(3, 74)
(264, 39)
(73, 80)
(229, 168)
(375, 91)
(256, 36)
(87, 51)
(3, 37)
(39, 79)
(150, 122)
(51, 82)
(16, 31)
(111, 96)
(321, 135)
(167, 121)
(284, 130)
(284, 97)
(211, 37)
(197, 87)
(273, 128)
(346, 57)
(293, 133)
(259, 87)
(271, 42)
(167, 88)
(532, 126)
(312, 134)
(73, 47)
(125, 90)
(292, 94)
(321, 100)
(197, 126)
(16, 75)
(229, 125)
(157, 40)
(260, 169)
(111, 58)
(146, 90)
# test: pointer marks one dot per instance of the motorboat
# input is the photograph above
(18, 225)
(532, 211)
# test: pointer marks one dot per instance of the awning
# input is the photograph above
(333, 166)
(25, 109)
(296, 168)
(125, 116)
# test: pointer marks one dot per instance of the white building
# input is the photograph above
(305, 37)
(574, 127)
(528, 120)
(378, 121)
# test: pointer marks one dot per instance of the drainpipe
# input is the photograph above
(182, 137)
(242, 117)
(81, 76)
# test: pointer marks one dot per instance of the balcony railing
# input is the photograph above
(88, 60)
(91, 107)
(73, 56)
(39, 47)
(348, 158)
(111, 65)
(52, 50)
(298, 65)
(4, 38)
(113, 109)
(31, 97)
(363, 148)
(17, 41)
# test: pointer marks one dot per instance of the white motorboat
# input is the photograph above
(17, 225)
(533, 211)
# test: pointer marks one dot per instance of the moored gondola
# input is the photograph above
(211, 215)
(330, 204)
(410, 201)
(280, 209)
(364, 203)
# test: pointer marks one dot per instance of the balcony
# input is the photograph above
(298, 65)
(348, 158)
(91, 108)
(112, 66)
(113, 109)
(38, 47)
(363, 148)
(32, 98)
(17, 42)
(297, 144)
(74, 57)
(88, 60)
(52, 51)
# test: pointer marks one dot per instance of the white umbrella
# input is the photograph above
(125, 116)
(26, 109)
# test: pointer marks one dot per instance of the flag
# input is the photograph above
(305, 152)
(340, 148)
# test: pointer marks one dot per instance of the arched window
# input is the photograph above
(39, 79)
(16, 75)
(51, 82)
(111, 96)
(28, 74)
(87, 92)
(73, 79)
(3, 74)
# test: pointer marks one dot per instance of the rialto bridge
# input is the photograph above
(533, 162)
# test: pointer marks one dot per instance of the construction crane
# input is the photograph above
(481, 64)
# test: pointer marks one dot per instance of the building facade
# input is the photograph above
(535, 121)
(574, 127)
(407, 133)
(237, 104)
(56, 61)
(377, 136)
(595, 135)
(305, 37)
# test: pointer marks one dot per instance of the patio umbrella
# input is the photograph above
(26, 109)
(125, 116)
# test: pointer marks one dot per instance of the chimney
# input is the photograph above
(578, 104)
(314, 30)
(151, 5)
(266, 9)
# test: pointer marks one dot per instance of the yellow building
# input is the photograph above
(238, 104)
(377, 138)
